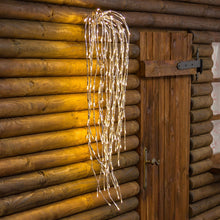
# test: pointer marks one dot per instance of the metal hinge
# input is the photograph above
(198, 64)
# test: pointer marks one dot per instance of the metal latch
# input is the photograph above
(153, 162)
(198, 64)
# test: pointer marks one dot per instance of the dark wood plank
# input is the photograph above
(166, 128)
(154, 68)
(164, 55)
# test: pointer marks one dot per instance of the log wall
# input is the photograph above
(204, 186)
(44, 166)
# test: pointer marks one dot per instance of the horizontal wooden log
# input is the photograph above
(201, 115)
(205, 50)
(76, 204)
(200, 154)
(203, 205)
(106, 212)
(42, 12)
(128, 216)
(204, 192)
(51, 140)
(50, 67)
(12, 107)
(200, 167)
(200, 141)
(16, 87)
(54, 176)
(64, 14)
(207, 63)
(201, 89)
(201, 102)
(54, 158)
(212, 214)
(36, 198)
(17, 48)
(201, 128)
(150, 6)
(54, 122)
(207, 2)
(203, 179)
(170, 21)
(206, 76)
(205, 37)
(36, 30)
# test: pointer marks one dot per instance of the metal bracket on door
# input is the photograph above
(191, 64)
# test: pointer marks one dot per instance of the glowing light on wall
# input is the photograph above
(107, 40)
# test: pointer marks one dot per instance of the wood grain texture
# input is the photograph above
(21, 29)
(211, 214)
(25, 201)
(201, 128)
(75, 15)
(200, 141)
(164, 99)
(208, 2)
(206, 76)
(76, 204)
(128, 216)
(201, 89)
(54, 158)
(200, 154)
(106, 212)
(205, 50)
(57, 175)
(203, 205)
(163, 68)
(203, 179)
(205, 37)
(201, 102)
(200, 167)
(17, 48)
(140, 5)
(36, 105)
(204, 192)
(52, 140)
(50, 67)
(16, 87)
(53, 122)
(200, 115)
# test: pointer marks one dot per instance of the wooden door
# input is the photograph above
(165, 125)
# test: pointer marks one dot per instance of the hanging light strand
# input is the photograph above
(107, 51)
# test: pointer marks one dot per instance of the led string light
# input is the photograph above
(107, 41)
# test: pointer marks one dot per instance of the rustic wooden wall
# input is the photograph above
(44, 165)
(204, 185)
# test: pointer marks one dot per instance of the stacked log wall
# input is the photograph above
(43, 108)
(45, 167)
(204, 185)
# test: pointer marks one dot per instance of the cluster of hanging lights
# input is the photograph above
(107, 51)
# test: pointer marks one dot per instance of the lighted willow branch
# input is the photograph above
(107, 51)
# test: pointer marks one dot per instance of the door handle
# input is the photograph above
(151, 162)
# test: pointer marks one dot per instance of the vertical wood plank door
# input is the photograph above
(165, 125)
